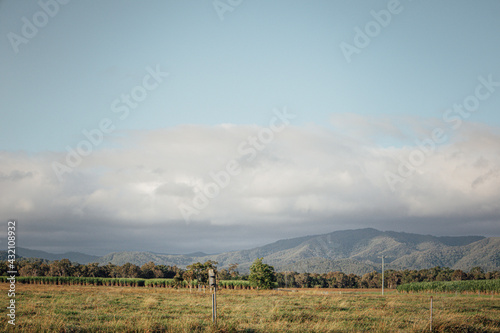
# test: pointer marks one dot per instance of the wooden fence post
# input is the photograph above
(431, 316)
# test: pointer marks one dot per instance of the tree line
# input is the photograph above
(261, 274)
(64, 267)
(392, 278)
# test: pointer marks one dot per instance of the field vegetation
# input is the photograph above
(476, 286)
(65, 297)
(125, 282)
(198, 272)
(77, 308)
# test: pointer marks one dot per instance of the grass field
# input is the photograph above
(55, 308)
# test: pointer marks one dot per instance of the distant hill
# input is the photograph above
(81, 258)
(359, 251)
(140, 258)
(350, 251)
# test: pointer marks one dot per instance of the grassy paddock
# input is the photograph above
(76, 308)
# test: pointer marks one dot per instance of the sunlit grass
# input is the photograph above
(53, 308)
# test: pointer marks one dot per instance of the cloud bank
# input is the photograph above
(312, 179)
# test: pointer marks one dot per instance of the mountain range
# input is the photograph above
(78, 257)
(350, 251)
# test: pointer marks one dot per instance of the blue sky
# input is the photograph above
(262, 55)
(225, 77)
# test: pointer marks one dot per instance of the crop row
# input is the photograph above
(452, 286)
(234, 284)
(124, 282)
(72, 280)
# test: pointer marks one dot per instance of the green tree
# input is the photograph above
(262, 275)
(492, 275)
(33, 268)
(371, 280)
(476, 273)
(233, 271)
(148, 270)
(61, 267)
(129, 270)
(459, 275)
(223, 274)
(111, 270)
(167, 272)
(178, 280)
(4, 268)
(94, 270)
(197, 271)
(303, 280)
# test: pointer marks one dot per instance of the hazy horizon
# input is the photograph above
(216, 253)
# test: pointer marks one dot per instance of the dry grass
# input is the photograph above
(48, 308)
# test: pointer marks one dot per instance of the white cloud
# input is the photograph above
(306, 175)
